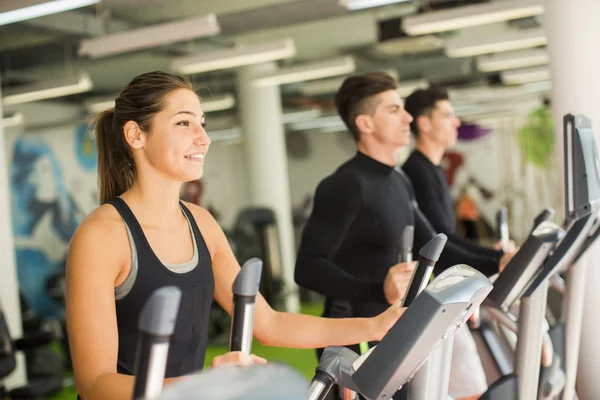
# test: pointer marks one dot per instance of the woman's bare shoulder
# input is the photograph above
(104, 223)
(209, 227)
(199, 213)
(101, 236)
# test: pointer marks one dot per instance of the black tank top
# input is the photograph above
(189, 340)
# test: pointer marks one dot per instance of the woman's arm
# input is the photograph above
(281, 329)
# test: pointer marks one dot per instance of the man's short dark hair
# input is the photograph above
(352, 99)
(422, 102)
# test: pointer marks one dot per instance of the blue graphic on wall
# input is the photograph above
(44, 219)
(85, 148)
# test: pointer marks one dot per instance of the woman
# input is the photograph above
(142, 237)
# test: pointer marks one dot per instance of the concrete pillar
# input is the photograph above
(9, 289)
(266, 160)
(572, 28)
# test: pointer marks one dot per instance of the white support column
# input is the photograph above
(9, 293)
(264, 140)
(572, 28)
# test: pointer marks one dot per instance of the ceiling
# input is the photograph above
(47, 47)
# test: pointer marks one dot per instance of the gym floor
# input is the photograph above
(303, 360)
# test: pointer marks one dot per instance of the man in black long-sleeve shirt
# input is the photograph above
(350, 244)
(435, 127)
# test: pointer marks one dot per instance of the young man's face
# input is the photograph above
(442, 126)
(390, 121)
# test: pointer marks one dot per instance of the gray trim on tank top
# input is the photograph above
(124, 288)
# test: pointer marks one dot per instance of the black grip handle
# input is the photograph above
(428, 256)
(406, 244)
(545, 215)
(245, 289)
(156, 325)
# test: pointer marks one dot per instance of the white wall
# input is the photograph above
(224, 181)
(328, 152)
(525, 189)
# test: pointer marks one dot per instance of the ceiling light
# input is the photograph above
(22, 10)
(515, 40)
(536, 87)
(290, 117)
(512, 59)
(331, 85)
(218, 103)
(229, 135)
(94, 106)
(487, 94)
(151, 36)
(235, 57)
(361, 4)
(409, 45)
(405, 88)
(209, 104)
(49, 90)
(525, 75)
(473, 15)
(323, 122)
(307, 72)
(11, 121)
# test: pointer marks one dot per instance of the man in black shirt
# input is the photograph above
(350, 244)
(435, 127)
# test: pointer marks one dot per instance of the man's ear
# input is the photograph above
(364, 123)
(134, 136)
(424, 124)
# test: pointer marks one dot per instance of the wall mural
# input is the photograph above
(53, 186)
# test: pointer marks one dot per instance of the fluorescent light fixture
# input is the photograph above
(235, 57)
(22, 10)
(525, 75)
(409, 45)
(94, 106)
(521, 107)
(536, 87)
(209, 104)
(330, 85)
(321, 87)
(151, 36)
(334, 129)
(291, 117)
(405, 88)
(49, 90)
(306, 72)
(361, 4)
(466, 97)
(512, 60)
(218, 103)
(318, 123)
(230, 135)
(11, 121)
(476, 45)
(473, 15)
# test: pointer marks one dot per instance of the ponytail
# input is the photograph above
(115, 163)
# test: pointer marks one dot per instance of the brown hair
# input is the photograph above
(139, 101)
(423, 102)
(352, 99)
